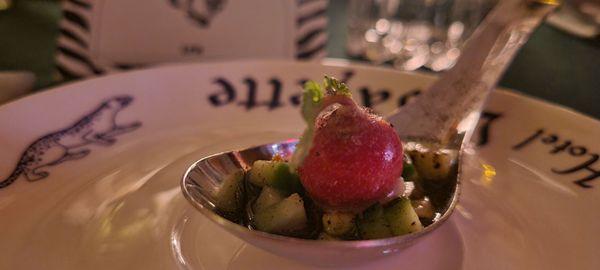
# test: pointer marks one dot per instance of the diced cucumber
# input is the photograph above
(373, 225)
(433, 165)
(276, 174)
(338, 224)
(261, 171)
(268, 196)
(394, 219)
(286, 216)
(401, 217)
(229, 197)
(285, 180)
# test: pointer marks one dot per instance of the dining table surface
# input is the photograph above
(554, 66)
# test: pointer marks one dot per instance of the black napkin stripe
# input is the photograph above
(82, 4)
(308, 15)
(76, 18)
(72, 36)
(79, 57)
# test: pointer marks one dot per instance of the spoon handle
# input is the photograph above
(453, 103)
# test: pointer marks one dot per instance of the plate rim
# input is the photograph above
(327, 62)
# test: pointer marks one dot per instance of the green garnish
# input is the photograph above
(335, 87)
(312, 99)
(408, 169)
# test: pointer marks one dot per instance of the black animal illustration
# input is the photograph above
(199, 11)
(97, 128)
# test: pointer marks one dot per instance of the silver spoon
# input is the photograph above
(445, 115)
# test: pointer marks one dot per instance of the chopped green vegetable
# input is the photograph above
(394, 219)
(373, 225)
(229, 197)
(261, 172)
(401, 217)
(286, 216)
(275, 174)
(338, 224)
(286, 180)
(268, 196)
(433, 165)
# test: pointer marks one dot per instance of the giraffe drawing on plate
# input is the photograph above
(97, 128)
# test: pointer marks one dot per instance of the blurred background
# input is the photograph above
(561, 62)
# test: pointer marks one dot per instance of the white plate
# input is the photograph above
(120, 207)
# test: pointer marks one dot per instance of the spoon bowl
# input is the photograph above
(205, 178)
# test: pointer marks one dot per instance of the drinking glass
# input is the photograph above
(412, 33)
